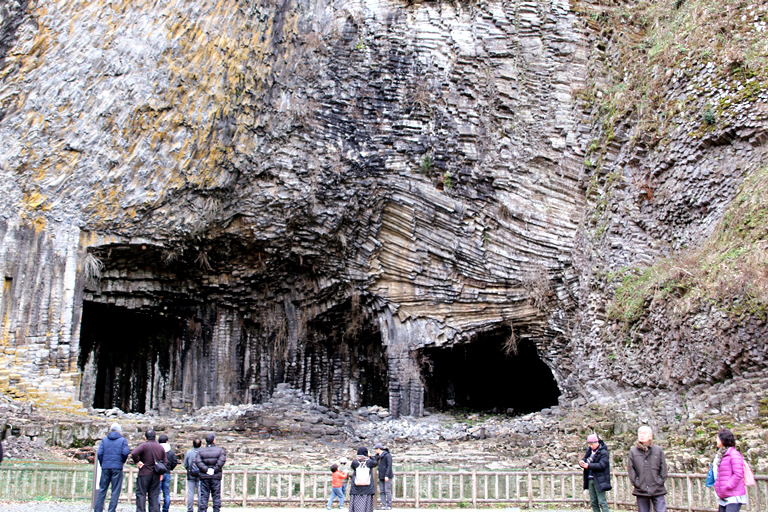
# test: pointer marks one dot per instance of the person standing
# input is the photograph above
(112, 454)
(210, 460)
(165, 481)
(597, 473)
(337, 478)
(730, 487)
(148, 482)
(363, 486)
(193, 473)
(384, 459)
(648, 472)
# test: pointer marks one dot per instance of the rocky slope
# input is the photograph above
(201, 201)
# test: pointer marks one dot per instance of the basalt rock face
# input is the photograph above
(201, 201)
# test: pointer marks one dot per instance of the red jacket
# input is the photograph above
(337, 478)
(730, 475)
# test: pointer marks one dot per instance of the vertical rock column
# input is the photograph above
(40, 318)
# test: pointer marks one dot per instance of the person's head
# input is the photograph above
(334, 468)
(116, 428)
(196, 442)
(725, 438)
(162, 439)
(362, 451)
(644, 434)
(593, 441)
(343, 461)
(379, 448)
(150, 435)
(210, 438)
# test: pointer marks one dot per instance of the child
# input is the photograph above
(337, 479)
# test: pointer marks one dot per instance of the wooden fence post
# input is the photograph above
(301, 489)
(690, 492)
(245, 488)
(474, 489)
(416, 488)
(530, 490)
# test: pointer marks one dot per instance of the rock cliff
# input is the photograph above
(380, 202)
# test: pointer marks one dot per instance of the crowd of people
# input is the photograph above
(155, 460)
(646, 467)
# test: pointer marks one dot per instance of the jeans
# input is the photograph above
(644, 503)
(164, 501)
(212, 487)
(385, 492)
(336, 492)
(148, 492)
(192, 488)
(597, 498)
(109, 477)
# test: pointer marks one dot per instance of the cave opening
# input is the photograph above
(483, 376)
(125, 345)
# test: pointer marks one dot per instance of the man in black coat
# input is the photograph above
(384, 458)
(597, 473)
(210, 460)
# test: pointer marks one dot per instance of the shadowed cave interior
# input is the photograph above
(480, 376)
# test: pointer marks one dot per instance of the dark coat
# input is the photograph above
(356, 490)
(148, 453)
(210, 457)
(600, 467)
(647, 471)
(385, 464)
(113, 451)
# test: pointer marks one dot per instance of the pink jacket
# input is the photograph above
(730, 475)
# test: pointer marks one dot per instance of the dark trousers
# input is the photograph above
(113, 477)
(644, 503)
(148, 491)
(212, 487)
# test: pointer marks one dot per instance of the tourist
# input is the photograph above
(165, 482)
(337, 480)
(193, 473)
(210, 460)
(148, 482)
(597, 473)
(728, 466)
(112, 454)
(648, 472)
(384, 460)
(363, 486)
(343, 467)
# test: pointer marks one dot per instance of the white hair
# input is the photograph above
(645, 428)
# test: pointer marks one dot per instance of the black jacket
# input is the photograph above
(600, 467)
(647, 471)
(210, 457)
(385, 464)
(356, 490)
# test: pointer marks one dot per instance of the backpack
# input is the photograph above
(194, 470)
(363, 475)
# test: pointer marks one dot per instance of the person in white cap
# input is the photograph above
(112, 454)
(597, 473)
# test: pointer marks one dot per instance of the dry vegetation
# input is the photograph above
(730, 270)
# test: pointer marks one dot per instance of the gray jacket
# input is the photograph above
(647, 470)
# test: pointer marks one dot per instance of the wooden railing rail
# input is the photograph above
(304, 488)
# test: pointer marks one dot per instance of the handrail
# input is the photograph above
(418, 488)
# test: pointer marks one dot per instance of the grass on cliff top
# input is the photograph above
(730, 270)
(653, 43)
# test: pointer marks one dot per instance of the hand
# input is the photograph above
(141, 464)
(386, 479)
(210, 471)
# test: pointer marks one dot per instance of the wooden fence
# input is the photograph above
(303, 488)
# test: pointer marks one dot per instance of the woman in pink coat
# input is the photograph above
(729, 474)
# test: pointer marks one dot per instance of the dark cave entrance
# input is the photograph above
(125, 345)
(480, 376)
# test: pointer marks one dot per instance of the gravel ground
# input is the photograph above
(54, 506)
